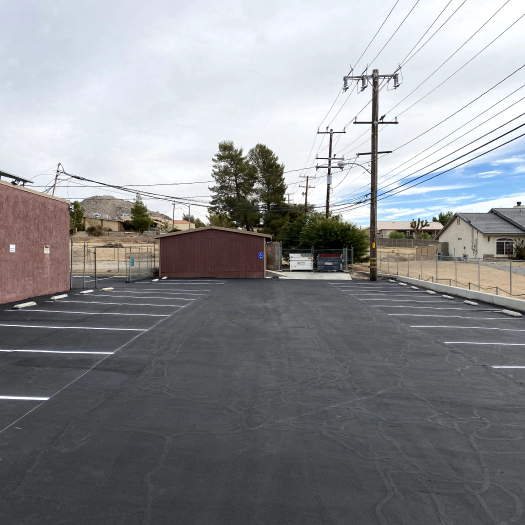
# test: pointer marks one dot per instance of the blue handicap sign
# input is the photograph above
(132, 261)
(261, 255)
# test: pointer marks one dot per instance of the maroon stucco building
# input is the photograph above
(34, 243)
(221, 253)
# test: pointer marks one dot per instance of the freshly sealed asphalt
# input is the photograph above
(261, 402)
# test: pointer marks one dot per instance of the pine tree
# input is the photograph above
(140, 218)
(233, 192)
(76, 214)
(270, 187)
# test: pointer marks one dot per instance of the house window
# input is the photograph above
(504, 246)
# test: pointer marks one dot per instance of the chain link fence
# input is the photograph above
(496, 276)
(92, 264)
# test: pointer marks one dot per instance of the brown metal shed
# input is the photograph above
(34, 243)
(222, 253)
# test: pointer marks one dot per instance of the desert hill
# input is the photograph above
(111, 207)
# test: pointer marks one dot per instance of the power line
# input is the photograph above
(450, 57)
(406, 186)
(394, 33)
(450, 116)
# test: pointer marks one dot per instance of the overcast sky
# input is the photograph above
(130, 92)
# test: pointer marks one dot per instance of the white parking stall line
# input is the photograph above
(421, 307)
(455, 317)
(87, 313)
(479, 343)
(24, 398)
(402, 300)
(388, 294)
(128, 304)
(131, 292)
(45, 327)
(468, 328)
(188, 292)
(101, 360)
(87, 352)
(141, 297)
(507, 366)
(192, 281)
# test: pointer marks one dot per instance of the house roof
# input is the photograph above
(489, 223)
(197, 230)
(515, 215)
(405, 225)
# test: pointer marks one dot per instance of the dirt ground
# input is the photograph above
(489, 276)
(112, 252)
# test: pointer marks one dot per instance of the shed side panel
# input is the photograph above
(212, 253)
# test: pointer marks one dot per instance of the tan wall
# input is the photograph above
(115, 226)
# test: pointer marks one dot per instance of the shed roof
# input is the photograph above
(197, 230)
(29, 190)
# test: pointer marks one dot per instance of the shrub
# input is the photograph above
(424, 235)
(519, 249)
(396, 235)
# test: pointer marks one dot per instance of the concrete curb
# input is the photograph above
(508, 302)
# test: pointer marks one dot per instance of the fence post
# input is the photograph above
(84, 270)
(397, 263)
(421, 261)
(456, 270)
(313, 258)
(95, 264)
(437, 280)
(352, 257)
(71, 274)
(408, 261)
(510, 276)
(479, 275)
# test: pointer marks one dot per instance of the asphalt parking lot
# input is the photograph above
(261, 401)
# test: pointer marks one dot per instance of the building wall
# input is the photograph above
(212, 253)
(30, 221)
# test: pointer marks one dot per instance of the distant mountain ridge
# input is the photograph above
(111, 207)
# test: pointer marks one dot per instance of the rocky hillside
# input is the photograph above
(109, 206)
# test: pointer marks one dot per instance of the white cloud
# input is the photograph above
(422, 189)
(499, 202)
(515, 159)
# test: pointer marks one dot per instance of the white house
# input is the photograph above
(484, 235)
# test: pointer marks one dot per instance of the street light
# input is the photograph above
(342, 163)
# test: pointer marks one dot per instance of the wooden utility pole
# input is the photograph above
(58, 172)
(329, 167)
(305, 193)
(374, 153)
